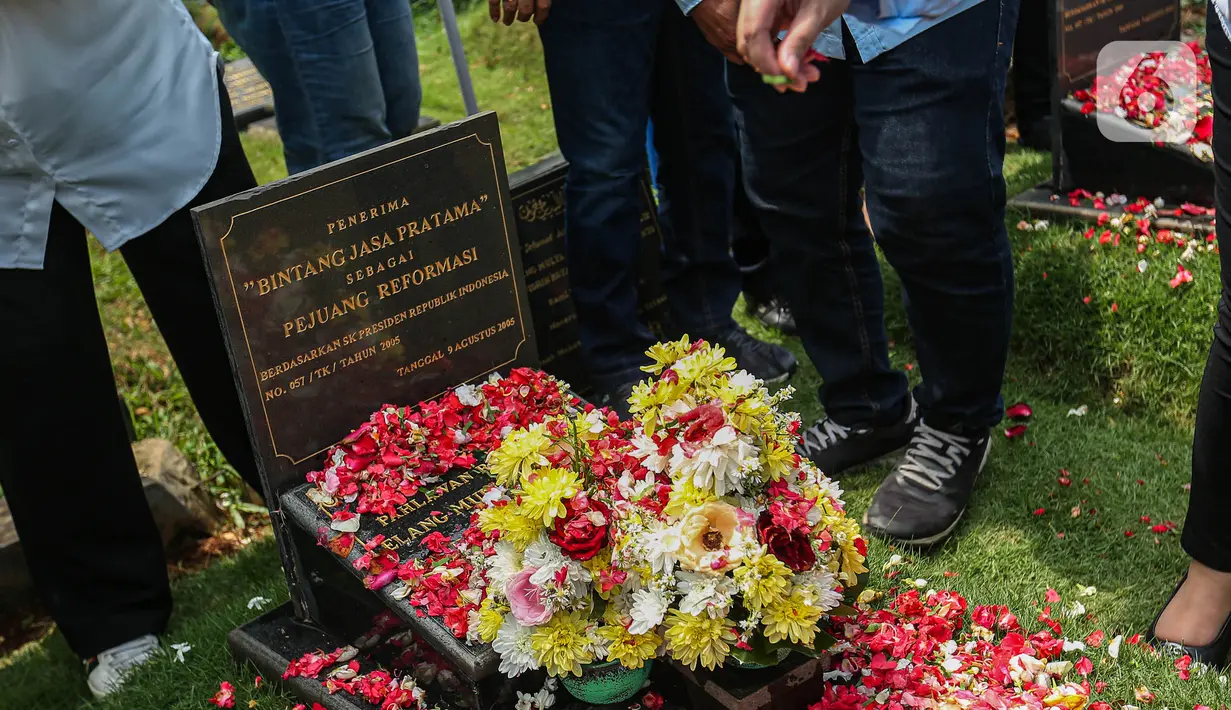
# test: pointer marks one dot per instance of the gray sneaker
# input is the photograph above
(924, 498)
(107, 671)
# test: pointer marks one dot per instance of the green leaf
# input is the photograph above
(252, 508)
(761, 653)
(844, 610)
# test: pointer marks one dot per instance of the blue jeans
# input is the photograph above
(921, 128)
(344, 73)
(612, 66)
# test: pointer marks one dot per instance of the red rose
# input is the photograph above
(794, 549)
(582, 532)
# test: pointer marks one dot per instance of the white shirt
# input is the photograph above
(109, 107)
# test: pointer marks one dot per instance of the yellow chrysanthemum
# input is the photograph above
(631, 650)
(685, 496)
(543, 497)
(519, 454)
(561, 645)
(491, 617)
(664, 355)
(764, 582)
(514, 524)
(845, 530)
(692, 639)
(794, 618)
(703, 365)
(777, 460)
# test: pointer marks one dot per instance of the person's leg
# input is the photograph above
(802, 172)
(1198, 612)
(397, 59)
(168, 266)
(601, 108)
(694, 125)
(931, 122)
(331, 46)
(694, 136)
(66, 467)
(254, 25)
(1032, 74)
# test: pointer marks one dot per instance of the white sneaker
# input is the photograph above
(111, 667)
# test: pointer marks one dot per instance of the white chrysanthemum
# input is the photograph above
(549, 559)
(706, 594)
(504, 564)
(646, 451)
(513, 644)
(660, 548)
(821, 585)
(720, 464)
(647, 611)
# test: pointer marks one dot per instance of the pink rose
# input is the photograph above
(524, 599)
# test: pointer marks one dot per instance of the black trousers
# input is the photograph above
(1207, 536)
(65, 463)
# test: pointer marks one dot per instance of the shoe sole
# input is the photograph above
(784, 376)
(932, 540)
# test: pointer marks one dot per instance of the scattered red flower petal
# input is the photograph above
(225, 697)
(1015, 431)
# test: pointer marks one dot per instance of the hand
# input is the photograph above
(717, 20)
(521, 10)
(759, 24)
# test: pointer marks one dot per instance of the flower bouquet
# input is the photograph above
(552, 598)
(729, 542)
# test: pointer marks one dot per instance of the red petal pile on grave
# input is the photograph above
(415, 665)
(401, 449)
(1150, 90)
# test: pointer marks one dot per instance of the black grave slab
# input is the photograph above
(389, 277)
(538, 200)
(1042, 201)
(1081, 28)
(447, 512)
(251, 97)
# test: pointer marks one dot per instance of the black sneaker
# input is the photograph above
(616, 399)
(773, 313)
(921, 502)
(835, 448)
(765, 361)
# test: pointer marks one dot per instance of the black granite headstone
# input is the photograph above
(538, 202)
(251, 97)
(1081, 155)
(388, 277)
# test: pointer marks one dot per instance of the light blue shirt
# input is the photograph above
(109, 107)
(878, 25)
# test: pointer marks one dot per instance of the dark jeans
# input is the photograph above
(921, 128)
(749, 245)
(65, 463)
(612, 66)
(345, 73)
(1207, 537)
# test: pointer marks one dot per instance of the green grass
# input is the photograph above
(1136, 369)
